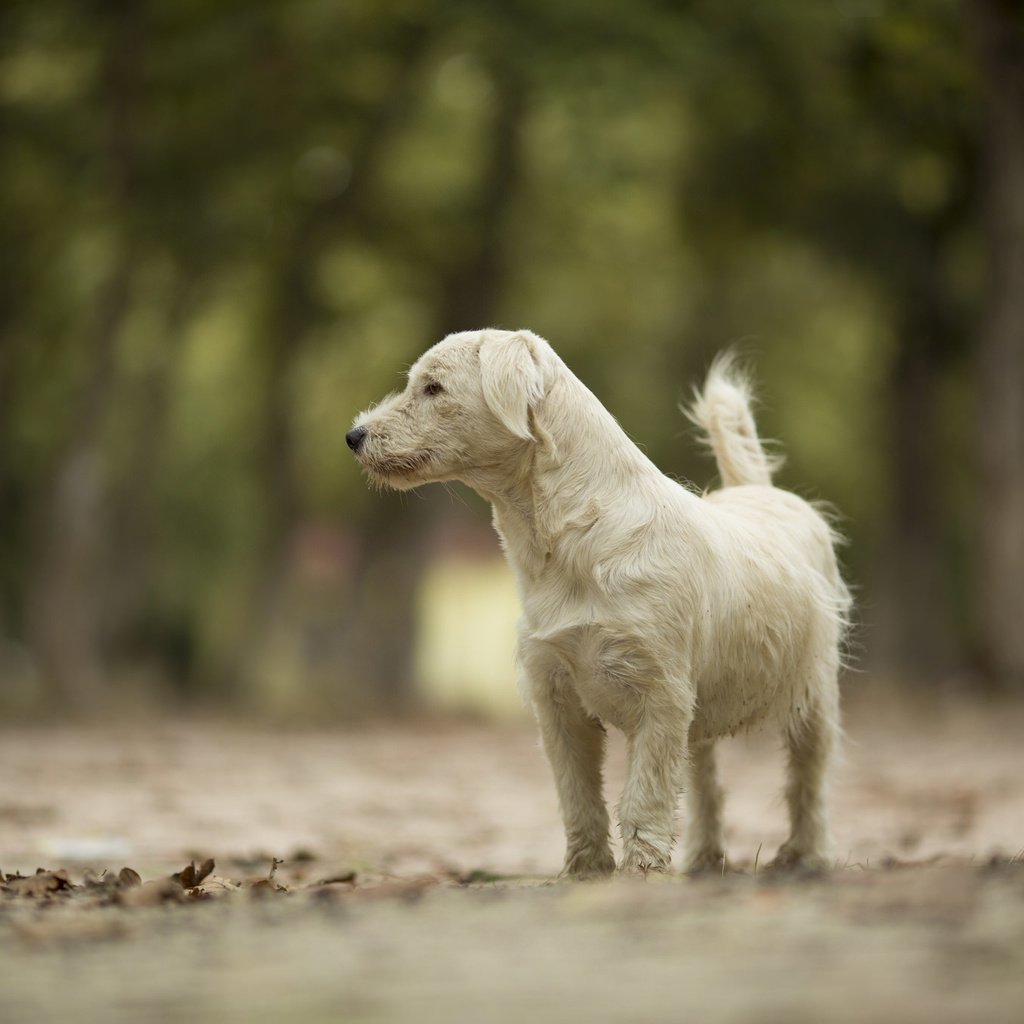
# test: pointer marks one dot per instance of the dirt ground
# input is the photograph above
(416, 882)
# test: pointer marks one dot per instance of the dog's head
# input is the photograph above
(467, 407)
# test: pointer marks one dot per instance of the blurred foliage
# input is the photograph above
(229, 226)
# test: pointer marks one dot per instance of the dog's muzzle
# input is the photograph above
(355, 438)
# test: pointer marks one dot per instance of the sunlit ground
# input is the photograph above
(387, 870)
(918, 781)
(445, 835)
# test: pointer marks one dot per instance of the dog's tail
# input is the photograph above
(723, 412)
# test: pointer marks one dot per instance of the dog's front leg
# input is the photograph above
(657, 752)
(574, 743)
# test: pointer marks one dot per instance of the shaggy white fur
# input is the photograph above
(675, 617)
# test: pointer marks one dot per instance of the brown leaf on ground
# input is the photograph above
(129, 878)
(42, 884)
(106, 884)
(264, 885)
(217, 885)
(342, 878)
(191, 876)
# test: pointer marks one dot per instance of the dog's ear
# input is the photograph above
(513, 377)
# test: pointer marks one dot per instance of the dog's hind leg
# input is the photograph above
(574, 743)
(657, 751)
(703, 849)
(811, 738)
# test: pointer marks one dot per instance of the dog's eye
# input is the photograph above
(432, 388)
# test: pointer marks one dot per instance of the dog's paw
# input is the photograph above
(640, 856)
(705, 862)
(792, 859)
(588, 862)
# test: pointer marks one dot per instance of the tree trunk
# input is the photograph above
(914, 632)
(397, 552)
(378, 621)
(293, 312)
(137, 629)
(473, 286)
(1000, 411)
(64, 603)
(64, 608)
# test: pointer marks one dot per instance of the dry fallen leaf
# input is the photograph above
(263, 885)
(216, 885)
(129, 878)
(190, 876)
(105, 884)
(343, 878)
(42, 884)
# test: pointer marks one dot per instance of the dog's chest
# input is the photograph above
(610, 669)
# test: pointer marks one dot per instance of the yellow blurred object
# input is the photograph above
(465, 655)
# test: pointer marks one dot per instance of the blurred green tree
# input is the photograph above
(857, 131)
(999, 32)
(229, 225)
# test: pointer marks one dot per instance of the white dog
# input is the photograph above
(675, 617)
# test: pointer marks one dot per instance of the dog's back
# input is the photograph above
(782, 620)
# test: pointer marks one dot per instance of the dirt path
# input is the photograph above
(417, 812)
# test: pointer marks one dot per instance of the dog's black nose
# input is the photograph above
(355, 437)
